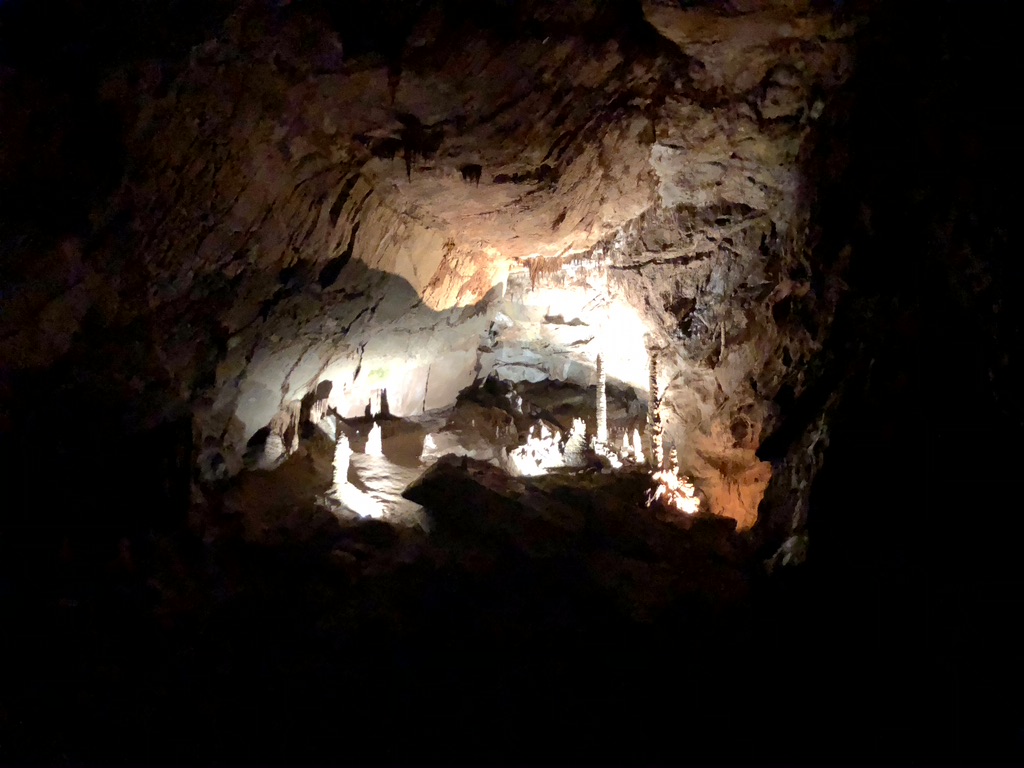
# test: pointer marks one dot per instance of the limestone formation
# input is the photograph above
(576, 444)
(602, 404)
(537, 456)
(376, 397)
(638, 448)
(342, 459)
(273, 451)
(664, 189)
(654, 411)
(374, 445)
(328, 426)
(317, 411)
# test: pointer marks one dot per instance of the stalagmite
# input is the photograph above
(602, 403)
(657, 447)
(638, 447)
(576, 444)
(374, 446)
(626, 448)
(375, 402)
(342, 458)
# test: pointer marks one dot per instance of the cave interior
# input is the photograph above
(419, 380)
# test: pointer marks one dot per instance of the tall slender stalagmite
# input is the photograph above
(342, 457)
(602, 403)
(654, 414)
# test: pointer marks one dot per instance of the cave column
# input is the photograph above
(654, 415)
(602, 403)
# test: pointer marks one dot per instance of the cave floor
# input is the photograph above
(559, 621)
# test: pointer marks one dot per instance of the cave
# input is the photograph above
(434, 380)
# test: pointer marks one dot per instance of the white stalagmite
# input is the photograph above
(375, 402)
(576, 445)
(625, 444)
(374, 446)
(638, 447)
(342, 457)
(602, 403)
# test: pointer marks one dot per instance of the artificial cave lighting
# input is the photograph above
(582, 320)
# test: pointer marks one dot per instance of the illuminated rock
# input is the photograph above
(576, 444)
(328, 425)
(602, 403)
(342, 459)
(674, 492)
(374, 445)
(654, 413)
(638, 448)
(376, 398)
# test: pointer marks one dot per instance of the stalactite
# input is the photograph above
(547, 265)
(376, 397)
(654, 414)
(602, 403)
(317, 411)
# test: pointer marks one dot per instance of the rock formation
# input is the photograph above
(342, 459)
(374, 444)
(601, 435)
(638, 448)
(654, 411)
(273, 451)
(295, 211)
